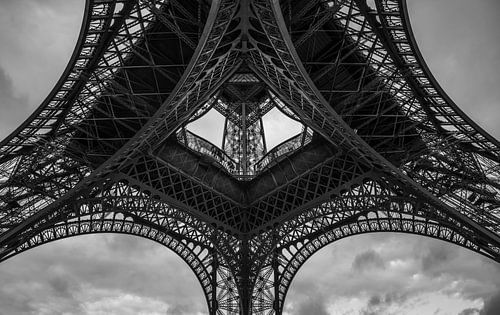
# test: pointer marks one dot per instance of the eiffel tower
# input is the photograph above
(382, 147)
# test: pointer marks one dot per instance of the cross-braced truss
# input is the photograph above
(383, 148)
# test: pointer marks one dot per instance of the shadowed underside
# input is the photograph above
(382, 147)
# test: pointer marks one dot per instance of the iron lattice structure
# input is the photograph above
(383, 148)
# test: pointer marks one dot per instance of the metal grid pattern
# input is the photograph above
(383, 148)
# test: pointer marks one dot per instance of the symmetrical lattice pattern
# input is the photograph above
(383, 148)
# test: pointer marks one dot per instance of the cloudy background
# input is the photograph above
(368, 274)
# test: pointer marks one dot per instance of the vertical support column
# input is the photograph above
(244, 279)
(276, 284)
(214, 303)
(266, 296)
(244, 138)
(232, 144)
(263, 136)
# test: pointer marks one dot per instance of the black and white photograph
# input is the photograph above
(249, 157)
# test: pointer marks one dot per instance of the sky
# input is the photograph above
(369, 274)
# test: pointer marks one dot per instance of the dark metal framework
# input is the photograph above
(383, 147)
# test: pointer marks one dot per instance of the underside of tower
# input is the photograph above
(377, 145)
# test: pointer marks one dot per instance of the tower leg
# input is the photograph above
(245, 289)
(277, 305)
(214, 305)
(245, 306)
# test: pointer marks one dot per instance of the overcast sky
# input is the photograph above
(369, 274)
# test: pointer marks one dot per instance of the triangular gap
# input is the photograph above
(286, 110)
(210, 127)
(261, 121)
(210, 123)
(282, 107)
(281, 124)
(371, 4)
(278, 128)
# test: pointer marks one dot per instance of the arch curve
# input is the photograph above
(115, 206)
(293, 256)
(405, 18)
(197, 257)
(92, 8)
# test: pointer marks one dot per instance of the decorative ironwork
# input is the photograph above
(383, 147)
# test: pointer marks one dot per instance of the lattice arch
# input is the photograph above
(389, 152)
(198, 258)
(371, 204)
(118, 206)
(292, 256)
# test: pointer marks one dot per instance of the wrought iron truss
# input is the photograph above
(383, 147)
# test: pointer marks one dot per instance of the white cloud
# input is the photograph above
(104, 302)
(12, 104)
(458, 41)
(459, 278)
(81, 274)
(37, 38)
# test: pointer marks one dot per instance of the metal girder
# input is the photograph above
(362, 208)
(123, 155)
(309, 104)
(383, 148)
(125, 206)
(68, 147)
(188, 192)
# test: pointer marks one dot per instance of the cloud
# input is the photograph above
(37, 38)
(62, 286)
(380, 303)
(368, 260)
(181, 309)
(126, 245)
(470, 311)
(399, 271)
(119, 303)
(15, 303)
(5, 85)
(82, 275)
(492, 305)
(313, 305)
(12, 105)
(436, 257)
(455, 39)
(375, 305)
